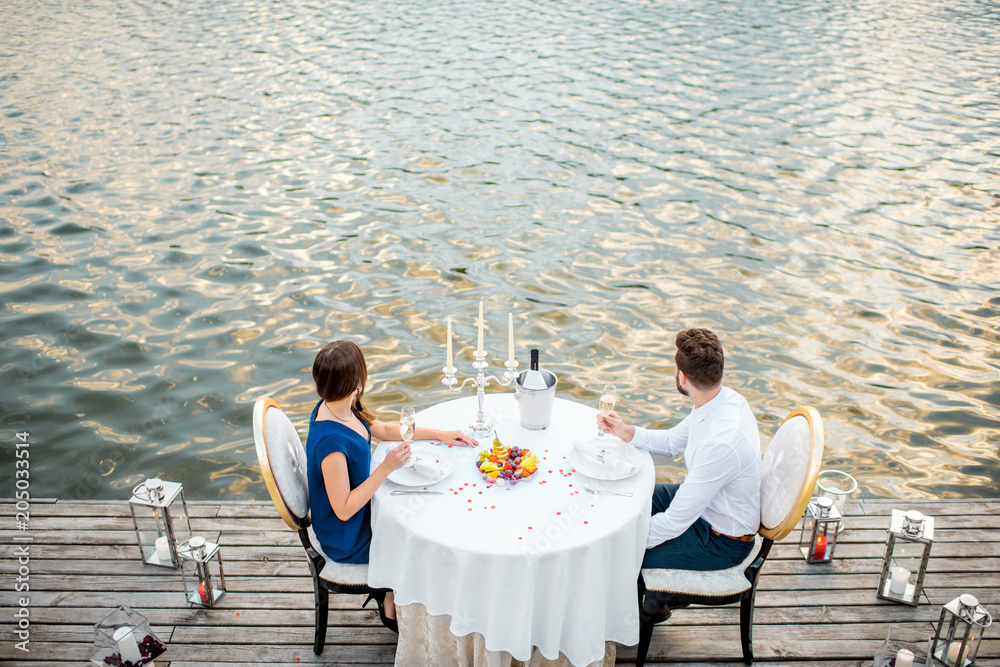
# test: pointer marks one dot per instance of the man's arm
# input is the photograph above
(715, 467)
(671, 442)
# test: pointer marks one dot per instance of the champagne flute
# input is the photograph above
(407, 423)
(607, 405)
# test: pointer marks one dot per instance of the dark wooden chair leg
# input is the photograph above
(322, 598)
(645, 635)
(746, 626)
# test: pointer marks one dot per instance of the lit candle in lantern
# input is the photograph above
(480, 347)
(448, 366)
(953, 655)
(202, 593)
(900, 577)
(904, 658)
(819, 552)
(163, 549)
(510, 336)
(127, 646)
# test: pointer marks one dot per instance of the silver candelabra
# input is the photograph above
(480, 427)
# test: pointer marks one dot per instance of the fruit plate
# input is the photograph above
(427, 453)
(501, 480)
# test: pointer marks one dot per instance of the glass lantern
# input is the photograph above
(906, 554)
(198, 558)
(123, 638)
(157, 521)
(839, 486)
(903, 648)
(960, 632)
(819, 530)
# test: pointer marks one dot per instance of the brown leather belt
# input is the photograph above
(745, 538)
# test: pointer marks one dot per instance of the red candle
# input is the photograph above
(201, 592)
(819, 552)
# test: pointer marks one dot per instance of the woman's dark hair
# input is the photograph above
(338, 371)
(699, 357)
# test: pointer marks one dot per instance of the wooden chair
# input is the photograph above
(788, 476)
(283, 465)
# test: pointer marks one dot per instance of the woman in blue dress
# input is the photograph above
(338, 453)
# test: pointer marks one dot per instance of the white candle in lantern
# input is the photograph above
(953, 656)
(163, 549)
(127, 646)
(904, 658)
(510, 336)
(480, 347)
(900, 578)
(449, 367)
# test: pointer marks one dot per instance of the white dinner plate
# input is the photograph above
(625, 461)
(429, 453)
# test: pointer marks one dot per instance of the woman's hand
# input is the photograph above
(614, 425)
(458, 438)
(398, 456)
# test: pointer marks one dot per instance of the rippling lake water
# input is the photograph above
(195, 196)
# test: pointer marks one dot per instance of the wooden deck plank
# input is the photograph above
(168, 580)
(84, 563)
(265, 553)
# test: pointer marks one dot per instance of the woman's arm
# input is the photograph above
(383, 431)
(346, 501)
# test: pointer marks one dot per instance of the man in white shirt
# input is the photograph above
(708, 522)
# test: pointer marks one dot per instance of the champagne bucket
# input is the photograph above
(535, 405)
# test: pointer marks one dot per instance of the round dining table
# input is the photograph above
(545, 567)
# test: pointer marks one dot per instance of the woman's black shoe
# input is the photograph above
(379, 597)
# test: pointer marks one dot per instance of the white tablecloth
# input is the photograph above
(543, 564)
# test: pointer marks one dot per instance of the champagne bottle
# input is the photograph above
(534, 379)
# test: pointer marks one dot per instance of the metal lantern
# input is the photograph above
(906, 554)
(819, 531)
(198, 558)
(124, 638)
(838, 486)
(157, 521)
(960, 632)
(903, 648)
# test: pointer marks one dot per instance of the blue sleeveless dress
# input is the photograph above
(343, 541)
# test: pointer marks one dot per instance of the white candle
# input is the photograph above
(127, 646)
(163, 549)
(904, 658)
(480, 348)
(953, 656)
(900, 577)
(510, 336)
(449, 368)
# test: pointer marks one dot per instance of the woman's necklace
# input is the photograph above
(335, 415)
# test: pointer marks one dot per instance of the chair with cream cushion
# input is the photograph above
(788, 475)
(283, 465)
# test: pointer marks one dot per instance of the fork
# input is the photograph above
(404, 492)
(617, 493)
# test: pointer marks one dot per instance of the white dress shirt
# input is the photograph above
(721, 448)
